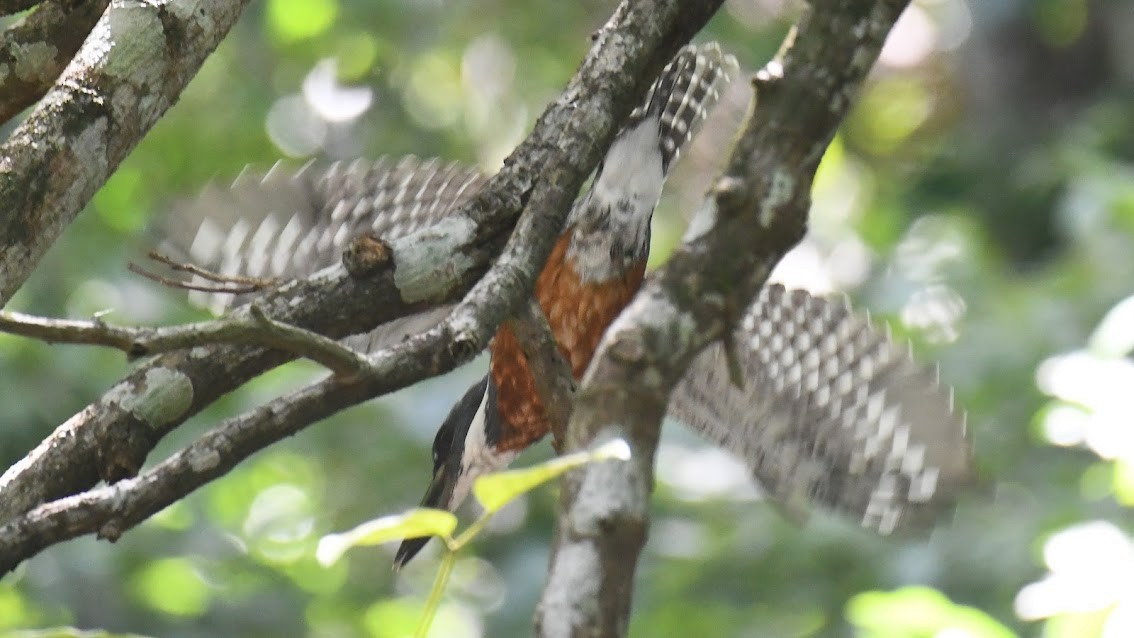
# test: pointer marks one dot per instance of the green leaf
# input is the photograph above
(415, 523)
(394, 618)
(14, 609)
(292, 20)
(1124, 482)
(919, 611)
(496, 489)
(172, 586)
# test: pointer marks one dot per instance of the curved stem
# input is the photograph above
(434, 600)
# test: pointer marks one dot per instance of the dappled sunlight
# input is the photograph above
(1114, 336)
(913, 37)
(332, 101)
(294, 127)
(698, 474)
(930, 248)
(935, 311)
(1091, 569)
(1101, 406)
(804, 267)
(280, 523)
(1089, 587)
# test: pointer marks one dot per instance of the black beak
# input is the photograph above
(438, 496)
(448, 450)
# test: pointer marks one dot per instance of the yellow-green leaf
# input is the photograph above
(415, 523)
(918, 611)
(172, 586)
(495, 490)
(292, 20)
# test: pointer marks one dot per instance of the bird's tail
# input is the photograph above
(684, 93)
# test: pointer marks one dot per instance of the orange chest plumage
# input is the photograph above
(579, 313)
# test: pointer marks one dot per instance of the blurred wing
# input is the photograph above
(833, 412)
(289, 223)
(682, 96)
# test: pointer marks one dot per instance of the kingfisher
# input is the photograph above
(832, 411)
(594, 269)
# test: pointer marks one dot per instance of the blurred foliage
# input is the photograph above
(493, 491)
(979, 199)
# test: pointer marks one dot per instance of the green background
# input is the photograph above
(979, 199)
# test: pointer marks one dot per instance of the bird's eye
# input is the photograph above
(441, 443)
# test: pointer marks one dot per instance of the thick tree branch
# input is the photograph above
(111, 510)
(132, 67)
(34, 51)
(111, 438)
(755, 213)
(553, 379)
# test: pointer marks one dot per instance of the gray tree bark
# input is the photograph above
(756, 212)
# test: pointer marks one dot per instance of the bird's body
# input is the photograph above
(578, 312)
(595, 268)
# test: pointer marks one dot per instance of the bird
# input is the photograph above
(831, 412)
(595, 267)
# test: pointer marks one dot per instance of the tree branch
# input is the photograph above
(133, 66)
(250, 326)
(34, 51)
(111, 438)
(754, 214)
(553, 379)
(111, 510)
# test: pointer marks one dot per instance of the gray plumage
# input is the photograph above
(832, 412)
(289, 223)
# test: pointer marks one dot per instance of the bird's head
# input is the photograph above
(463, 449)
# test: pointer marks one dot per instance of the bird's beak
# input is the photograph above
(439, 496)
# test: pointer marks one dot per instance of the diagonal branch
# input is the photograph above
(34, 51)
(553, 379)
(756, 212)
(111, 438)
(111, 510)
(133, 66)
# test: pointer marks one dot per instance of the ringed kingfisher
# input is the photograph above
(832, 411)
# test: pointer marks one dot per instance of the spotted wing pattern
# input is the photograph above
(290, 223)
(684, 93)
(832, 412)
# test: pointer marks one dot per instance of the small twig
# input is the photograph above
(203, 273)
(728, 342)
(226, 284)
(552, 375)
(256, 329)
(185, 285)
(325, 351)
